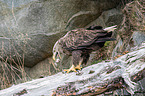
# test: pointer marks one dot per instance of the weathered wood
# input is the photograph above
(123, 72)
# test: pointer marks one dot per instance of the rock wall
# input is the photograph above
(29, 29)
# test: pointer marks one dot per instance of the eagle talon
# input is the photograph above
(72, 68)
(78, 67)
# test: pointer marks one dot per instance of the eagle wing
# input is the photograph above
(75, 39)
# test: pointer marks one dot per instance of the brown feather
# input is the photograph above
(81, 42)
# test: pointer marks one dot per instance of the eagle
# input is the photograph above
(80, 43)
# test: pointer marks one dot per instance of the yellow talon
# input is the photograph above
(72, 68)
(78, 67)
(53, 57)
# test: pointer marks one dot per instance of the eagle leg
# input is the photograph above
(79, 67)
(77, 61)
(72, 68)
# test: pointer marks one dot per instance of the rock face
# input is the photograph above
(125, 72)
(109, 18)
(131, 32)
(29, 28)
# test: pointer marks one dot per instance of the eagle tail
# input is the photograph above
(112, 28)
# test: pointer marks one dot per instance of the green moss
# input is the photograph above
(97, 61)
(107, 43)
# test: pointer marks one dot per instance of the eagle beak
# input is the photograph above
(112, 28)
(54, 55)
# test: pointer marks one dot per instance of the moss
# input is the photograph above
(107, 43)
(96, 61)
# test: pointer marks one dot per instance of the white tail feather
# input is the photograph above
(112, 28)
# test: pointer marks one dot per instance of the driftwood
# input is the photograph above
(123, 72)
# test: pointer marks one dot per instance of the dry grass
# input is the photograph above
(12, 70)
(9, 74)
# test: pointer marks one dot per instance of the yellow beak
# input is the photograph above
(54, 55)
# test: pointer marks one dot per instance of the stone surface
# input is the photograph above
(134, 41)
(109, 18)
(43, 68)
(137, 38)
(29, 27)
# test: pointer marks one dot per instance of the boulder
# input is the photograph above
(135, 40)
(109, 18)
(29, 28)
